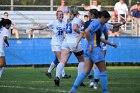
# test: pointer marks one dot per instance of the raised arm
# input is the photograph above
(40, 27)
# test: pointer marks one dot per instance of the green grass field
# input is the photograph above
(123, 79)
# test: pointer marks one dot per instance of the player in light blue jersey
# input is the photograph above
(93, 52)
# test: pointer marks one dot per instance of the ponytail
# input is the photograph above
(94, 12)
(104, 13)
(73, 10)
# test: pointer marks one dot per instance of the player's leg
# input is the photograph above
(2, 64)
(80, 69)
(96, 76)
(65, 54)
(58, 55)
(90, 77)
(100, 63)
(52, 66)
(103, 76)
(87, 67)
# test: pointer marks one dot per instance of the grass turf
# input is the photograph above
(123, 79)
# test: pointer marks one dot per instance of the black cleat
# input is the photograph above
(66, 76)
(57, 81)
(48, 74)
(82, 84)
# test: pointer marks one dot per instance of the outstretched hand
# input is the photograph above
(114, 45)
(7, 45)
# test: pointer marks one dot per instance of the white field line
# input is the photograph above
(29, 81)
(32, 88)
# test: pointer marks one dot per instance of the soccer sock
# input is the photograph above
(55, 61)
(52, 66)
(78, 81)
(80, 68)
(96, 74)
(104, 80)
(90, 76)
(63, 72)
(1, 71)
(59, 69)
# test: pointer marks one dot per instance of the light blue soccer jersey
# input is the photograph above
(96, 29)
(93, 27)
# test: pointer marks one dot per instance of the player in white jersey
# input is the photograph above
(4, 26)
(58, 26)
(73, 28)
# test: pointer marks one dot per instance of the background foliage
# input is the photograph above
(56, 3)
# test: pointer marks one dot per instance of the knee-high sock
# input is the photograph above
(80, 68)
(78, 81)
(96, 73)
(90, 76)
(1, 71)
(59, 69)
(63, 72)
(52, 66)
(104, 81)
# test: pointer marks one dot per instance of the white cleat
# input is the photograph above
(95, 85)
(91, 84)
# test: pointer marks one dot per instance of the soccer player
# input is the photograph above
(4, 26)
(58, 26)
(93, 52)
(93, 15)
(73, 28)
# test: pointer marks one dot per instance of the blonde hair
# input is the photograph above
(73, 10)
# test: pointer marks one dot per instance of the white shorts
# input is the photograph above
(2, 54)
(71, 47)
(56, 47)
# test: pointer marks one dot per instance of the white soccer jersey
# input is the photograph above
(71, 35)
(3, 32)
(58, 32)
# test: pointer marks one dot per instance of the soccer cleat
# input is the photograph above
(57, 81)
(66, 76)
(95, 85)
(82, 84)
(91, 84)
(48, 74)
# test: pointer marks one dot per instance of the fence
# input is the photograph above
(38, 51)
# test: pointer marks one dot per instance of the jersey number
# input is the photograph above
(60, 31)
(68, 28)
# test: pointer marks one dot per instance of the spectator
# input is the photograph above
(94, 5)
(13, 29)
(136, 16)
(120, 10)
(63, 7)
(136, 13)
(134, 6)
(85, 18)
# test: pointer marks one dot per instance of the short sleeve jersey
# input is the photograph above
(71, 35)
(96, 30)
(58, 31)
